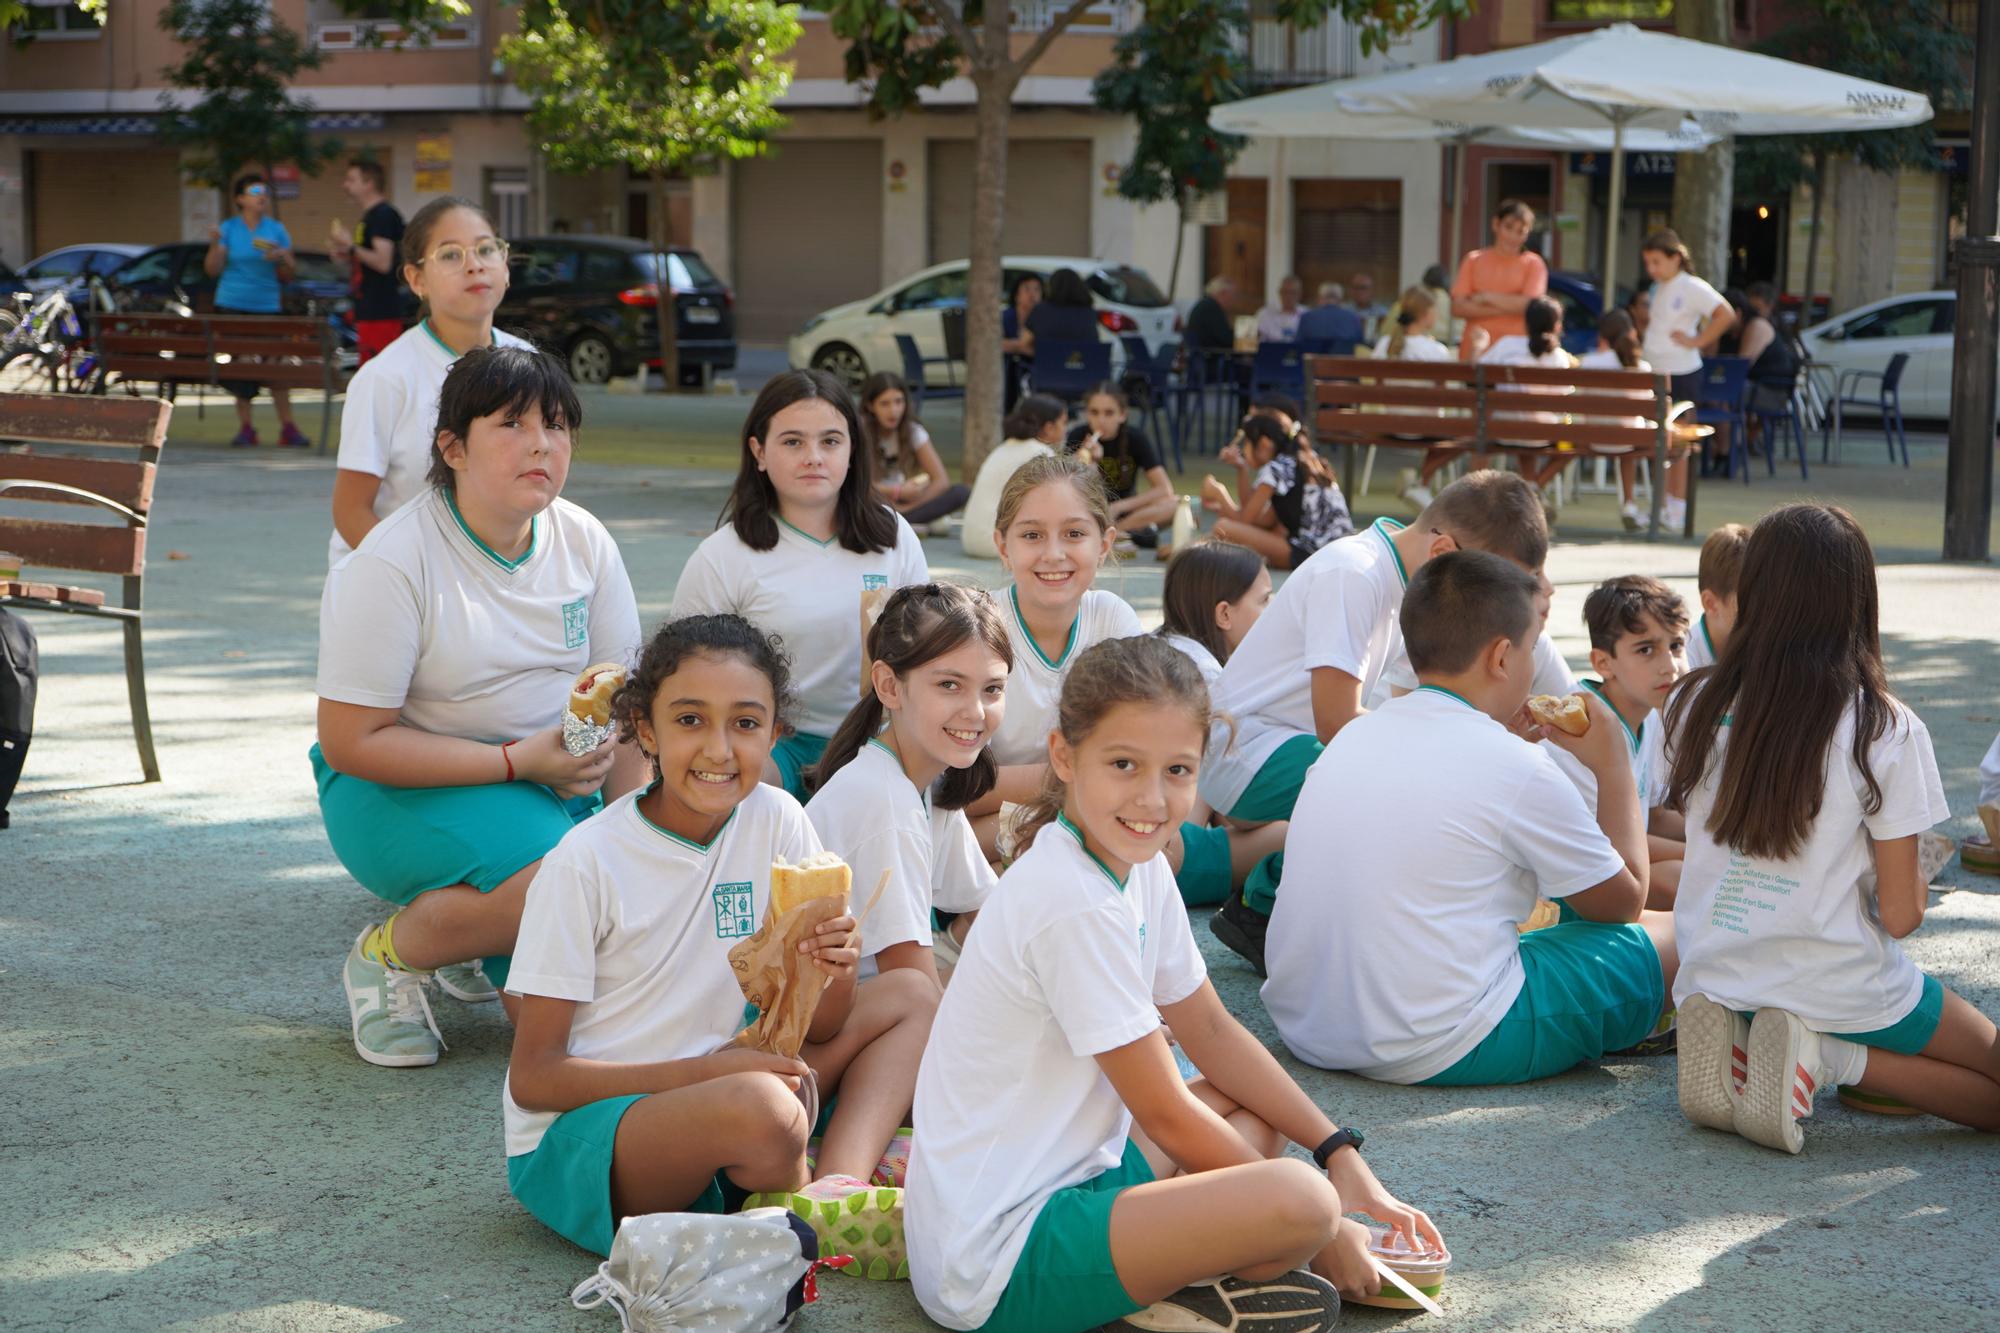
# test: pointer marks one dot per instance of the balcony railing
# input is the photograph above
(1281, 54)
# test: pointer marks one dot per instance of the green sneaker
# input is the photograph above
(391, 1017)
(467, 982)
(852, 1218)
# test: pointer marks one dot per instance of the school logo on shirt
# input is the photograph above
(1142, 937)
(576, 623)
(874, 582)
(734, 918)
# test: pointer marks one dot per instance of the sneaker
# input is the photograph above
(246, 438)
(391, 1018)
(1662, 1040)
(467, 982)
(1631, 517)
(1412, 491)
(1712, 1064)
(1242, 927)
(938, 527)
(1784, 1073)
(291, 437)
(1146, 538)
(852, 1218)
(1297, 1302)
(1124, 548)
(1977, 854)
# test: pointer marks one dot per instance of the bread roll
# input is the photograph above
(1564, 712)
(821, 875)
(590, 697)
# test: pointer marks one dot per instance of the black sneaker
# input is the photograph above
(1146, 538)
(1242, 927)
(1298, 1302)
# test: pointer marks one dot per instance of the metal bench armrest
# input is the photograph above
(136, 518)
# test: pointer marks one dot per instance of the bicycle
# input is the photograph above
(48, 349)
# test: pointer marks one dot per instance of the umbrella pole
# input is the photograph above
(1610, 291)
(1459, 143)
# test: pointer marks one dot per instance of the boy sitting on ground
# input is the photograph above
(1425, 833)
(1638, 640)
(1715, 578)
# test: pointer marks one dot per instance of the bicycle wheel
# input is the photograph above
(25, 370)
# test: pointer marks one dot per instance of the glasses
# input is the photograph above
(452, 258)
(256, 191)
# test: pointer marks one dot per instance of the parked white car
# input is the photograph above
(858, 339)
(1867, 337)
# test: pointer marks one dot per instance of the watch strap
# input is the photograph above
(1342, 1138)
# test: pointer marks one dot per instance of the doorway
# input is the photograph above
(1236, 248)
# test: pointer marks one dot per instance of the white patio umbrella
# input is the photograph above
(1318, 112)
(1631, 80)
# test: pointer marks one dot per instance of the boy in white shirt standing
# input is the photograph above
(1715, 579)
(1434, 830)
(1638, 638)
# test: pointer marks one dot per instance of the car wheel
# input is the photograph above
(590, 360)
(843, 363)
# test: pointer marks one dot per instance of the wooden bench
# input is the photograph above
(272, 351)
(84, 430)
(1545, 419)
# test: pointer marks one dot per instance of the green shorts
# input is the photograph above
(566, 1180)
(1275, 790)
(1203, 878)
(1590, 988)
(399, 842)
(795, 754)
(1914, 1031)
(1064, 1278)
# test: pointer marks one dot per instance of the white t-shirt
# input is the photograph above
(890, 460)
(390, 418)
(876, 819)
(1989, 774)
(1433, 829)
(807, 592)
(1802, 934)
(1338, 609)
(1649, 772)
(424, 617)
(1552, 673)
(1416, 347)
(1211, 670)
(1681, 304)
(1064, 965)
(1512, 350)
(636, 923)
(1034, 687)
(982, 508)
(1700, 645)
(1275, 324)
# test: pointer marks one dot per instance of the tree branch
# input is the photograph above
(1047, 36)
(953, 23)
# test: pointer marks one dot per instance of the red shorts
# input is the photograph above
(373, 336)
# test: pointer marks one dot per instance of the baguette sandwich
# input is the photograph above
(1563, 712)
(821, 875)
(590, 697)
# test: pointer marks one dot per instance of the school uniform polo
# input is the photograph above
(1198, 653)
(635, 925)
(1681, 304)
(390, 419)
(1700, 645)
(807, 592)
(1008, 1205)
(1649, 772)
(1393, 951)
(1551, 676)
(877, 820)
(1034, 687)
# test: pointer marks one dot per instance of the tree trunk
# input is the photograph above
(993, 80)
(1703, 181)
(1812, 238)
(670, 361)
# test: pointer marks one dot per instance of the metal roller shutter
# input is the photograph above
(106, 194)
(1048, 198)
(1344, 227)
(808, 232)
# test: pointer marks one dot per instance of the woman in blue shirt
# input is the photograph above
(250, 256)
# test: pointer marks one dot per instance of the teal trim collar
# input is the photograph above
(704, 848)
(534, 537)
(1382, 527)
(803, 533)
(1597, 688)
(1069, 644)
(493, 339)
(1074, 832)
(1449, 694)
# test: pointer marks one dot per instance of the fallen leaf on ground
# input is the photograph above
(179, 555)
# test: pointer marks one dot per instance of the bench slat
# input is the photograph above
(50, 592)
(130, 484)
(94, 547)
(146, 344)
(67, 418)
(1397, 395)
(1528, 430)
(1372, 427)
(1590, 380)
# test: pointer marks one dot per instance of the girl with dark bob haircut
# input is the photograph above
(514, 380)
(863, 522)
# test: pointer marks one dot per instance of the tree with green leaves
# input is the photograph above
(230, 103)
(1911, 44)
(1168, 73)
(15, 15)
(660, 88)
(898, 48)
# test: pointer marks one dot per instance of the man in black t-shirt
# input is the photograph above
(378, 296)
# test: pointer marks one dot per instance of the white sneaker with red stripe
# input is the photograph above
(1785, 1070)
(1713, 1062)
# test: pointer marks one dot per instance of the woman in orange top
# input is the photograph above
(1495, 284)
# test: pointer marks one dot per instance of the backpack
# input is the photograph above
(743, 1273)
(20, 664)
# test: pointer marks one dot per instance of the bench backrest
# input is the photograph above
(1363, 398)
(284, 350)
(67, 435)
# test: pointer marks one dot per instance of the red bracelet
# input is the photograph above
(510, 760)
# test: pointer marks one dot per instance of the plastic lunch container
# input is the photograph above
(1425, 1272)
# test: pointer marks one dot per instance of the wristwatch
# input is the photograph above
(1345, 1138)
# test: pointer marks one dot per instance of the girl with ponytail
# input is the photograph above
(1409, 336)
(910, 756)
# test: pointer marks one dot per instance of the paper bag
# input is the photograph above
(782, 982)
(872, 602)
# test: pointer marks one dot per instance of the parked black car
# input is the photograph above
(173, 273)
(10, 282)
(593, 301)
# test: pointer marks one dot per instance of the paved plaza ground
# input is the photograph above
(191, 1143)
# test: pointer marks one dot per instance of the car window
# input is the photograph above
(934, 293)
(155, 266)
(65, 265)
(314, 267)
(1905, 319)
(194, 270)
(698, 271)
(545, 265)
(1577, 317)
(1127, 286)
(1947, 316)
(608, 270)
(678, 275)
(106, 261)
